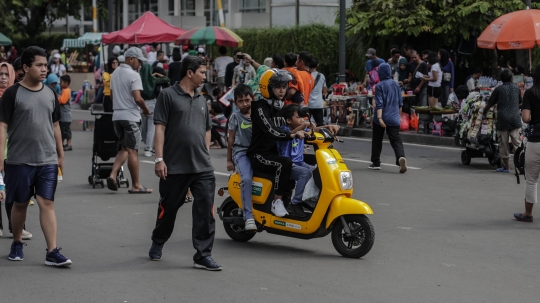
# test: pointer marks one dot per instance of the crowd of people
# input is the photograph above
(153, 100)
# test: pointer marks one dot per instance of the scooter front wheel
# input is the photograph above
(359, 241)
(235, 232)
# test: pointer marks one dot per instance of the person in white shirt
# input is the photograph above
(471, 83)
(434, 78)
(57, 67)
(152, 54)
(221, 63)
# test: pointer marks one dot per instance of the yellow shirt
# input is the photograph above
(106, 77)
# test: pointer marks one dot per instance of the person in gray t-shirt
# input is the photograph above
(126, 86)
(239, 140)
(182, 142)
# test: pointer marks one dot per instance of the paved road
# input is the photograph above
(444, 233)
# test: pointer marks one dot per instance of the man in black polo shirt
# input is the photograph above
(181, 141)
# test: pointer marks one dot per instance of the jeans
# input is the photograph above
(377, 142)
(318, 115)
(421, 97)
(148, 128)
(243, 167)
(172, 193)
(301, 174)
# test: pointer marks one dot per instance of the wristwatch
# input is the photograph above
(157, 160)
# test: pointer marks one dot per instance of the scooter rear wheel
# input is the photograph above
(359, 242)
(235, 232)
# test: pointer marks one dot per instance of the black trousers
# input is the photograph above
(172, 193)
(276, 165)
(318, 115)
(107, 104)
(377, 142)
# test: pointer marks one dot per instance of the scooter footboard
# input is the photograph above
(341, 205)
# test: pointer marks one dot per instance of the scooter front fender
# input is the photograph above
(341, 205)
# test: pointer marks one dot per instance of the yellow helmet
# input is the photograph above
(273, 78)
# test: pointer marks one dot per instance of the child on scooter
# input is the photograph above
(294, 149)
(239, 141)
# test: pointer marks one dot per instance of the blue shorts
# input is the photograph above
(25, 181)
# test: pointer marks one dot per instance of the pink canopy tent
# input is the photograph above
(147, 29)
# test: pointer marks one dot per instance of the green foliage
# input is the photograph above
(321, 40)
(453, 18)
(45, 41)
(32, 17)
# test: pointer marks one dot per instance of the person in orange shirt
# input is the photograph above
(295, 90)
(302, 66)
(65, 111)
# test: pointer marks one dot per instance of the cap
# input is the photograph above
(57, 56)
(121, 59)
(185, 48)
(135, 52)
(371, 52)
(201, 50)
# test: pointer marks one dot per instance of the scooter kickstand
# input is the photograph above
(260, 228)
(345, 226)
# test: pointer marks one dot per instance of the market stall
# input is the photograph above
(147, 29)
(5, 40)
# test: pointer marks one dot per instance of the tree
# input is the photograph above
(31, 17)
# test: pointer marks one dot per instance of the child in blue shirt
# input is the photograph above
(239, 140)
(294, 149)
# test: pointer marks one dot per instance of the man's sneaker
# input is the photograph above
(55, 258)
(148, 153)
(296, 210)
(16, 252)
(207, 263)
(402, 165)
(250, 225)
(278, 209)
(373, 167)
(155, 252)
(68, 148)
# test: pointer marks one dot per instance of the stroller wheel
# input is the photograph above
(93, 183)
(127, 183)
(102, 184)
(90, 179)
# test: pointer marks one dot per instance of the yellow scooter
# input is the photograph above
(335, 212)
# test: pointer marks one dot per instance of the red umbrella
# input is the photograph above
(147, 29)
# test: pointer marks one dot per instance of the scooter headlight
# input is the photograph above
(346, 180)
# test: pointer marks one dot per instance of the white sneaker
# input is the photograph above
(250, 225)
(26, 235)
(278, 208)
(148, 153)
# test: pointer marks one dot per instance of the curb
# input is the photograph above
(407, 137)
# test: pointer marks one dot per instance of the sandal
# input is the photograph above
(142, 190)
(522, 218)
(189, 199)
(111, 184)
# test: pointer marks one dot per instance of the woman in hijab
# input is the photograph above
(112, 64)
(402, 73)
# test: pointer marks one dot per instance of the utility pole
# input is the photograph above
(110, 22)
(342, 41)
(94, 15)
(297, 11)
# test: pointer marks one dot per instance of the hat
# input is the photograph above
(371, 52)
(135, 52)
(185, 48)
(201, 50)
(121, 59)
(57, 56)
(192, 53)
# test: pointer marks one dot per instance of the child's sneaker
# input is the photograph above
(16, 252)
(278, 208)
(55, 258)
(250, 225)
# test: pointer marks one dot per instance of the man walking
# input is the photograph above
(387, 118)
(182, 141)
(508, 98)
(126, 87)
(29, 114)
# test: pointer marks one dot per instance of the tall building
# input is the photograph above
(188, 14)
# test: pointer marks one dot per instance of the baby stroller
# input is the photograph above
(105, 147)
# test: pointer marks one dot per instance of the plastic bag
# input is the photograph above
(414, 120)
(311, 191)
(404, 125)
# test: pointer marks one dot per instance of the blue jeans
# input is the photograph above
(301, 174)
(243, 167)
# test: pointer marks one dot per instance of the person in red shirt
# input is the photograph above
(302, 65)
(295, 92)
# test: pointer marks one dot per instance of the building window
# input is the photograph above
(252, 6)
(138, 7)
(187, 8)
